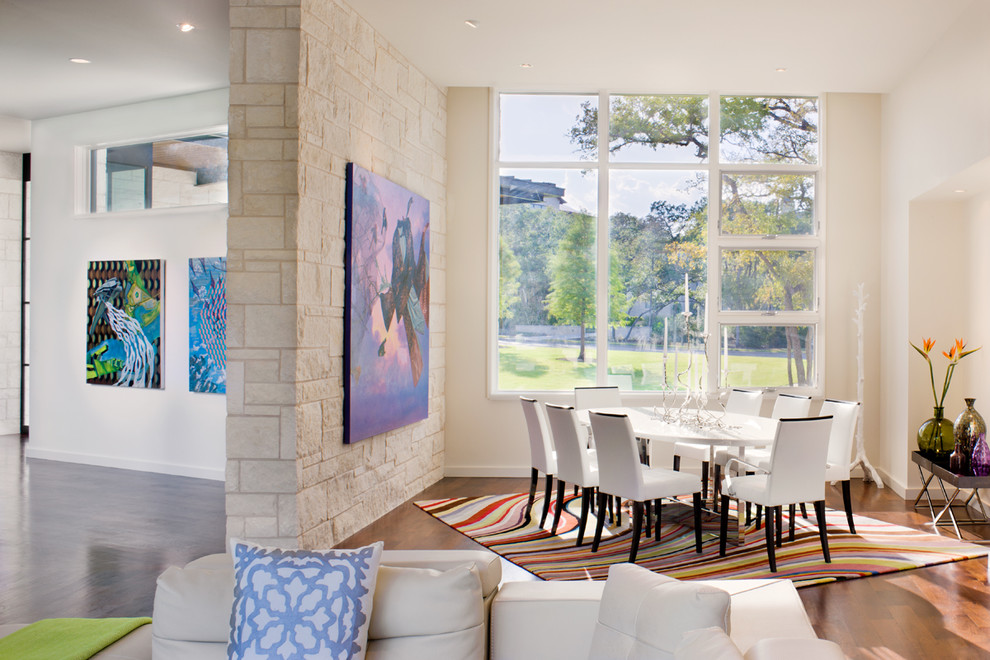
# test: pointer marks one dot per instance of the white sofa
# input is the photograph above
(515, 620)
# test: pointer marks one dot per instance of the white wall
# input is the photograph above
(488, 437)
(170, 430)
(10, 292)
(934, 128)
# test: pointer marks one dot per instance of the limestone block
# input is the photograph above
(260, 528)
(257, 17)
(312, 507)
(288, 522)
(235, 387)
(235, 326)
(287, 433)
(269, 394)
(241, 149)
(271, 55)
(269, 326)
(235, 527)
(244, 354)
(237, 50)
(290, 148)
(275, 476)
(252, 437)
(254, 288)
(318, 537)
(258, 94)
(309, 428)
(251, 504)
(232, 474)
(260, 410)
(312, 363)
(265, 115)
(313, 331)
(264, 205)
(261, 372)
(272, 133)
(269, 177)
(313, 285)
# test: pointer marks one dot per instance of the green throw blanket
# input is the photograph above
(66, 639)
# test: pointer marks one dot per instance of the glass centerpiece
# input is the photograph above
(935, 439)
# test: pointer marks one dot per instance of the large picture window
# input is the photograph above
(614, 266)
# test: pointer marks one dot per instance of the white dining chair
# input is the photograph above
(845, 415)
(741, 402)
(796, 474)
(576, 464)
(621, 474)
(543, 458)
(597, 397)
(786, 405)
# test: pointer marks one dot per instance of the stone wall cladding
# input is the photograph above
(313, 87)
(10, 292)
(261, 271)
(360, 101)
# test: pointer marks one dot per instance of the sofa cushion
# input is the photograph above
(423, 601)
(304, 603)
(706, 644)
(643, 614)
(193, 605)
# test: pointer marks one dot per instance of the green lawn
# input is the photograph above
(556, 368)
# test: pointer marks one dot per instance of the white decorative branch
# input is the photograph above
(869, 472)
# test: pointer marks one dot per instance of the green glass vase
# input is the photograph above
(935, 439)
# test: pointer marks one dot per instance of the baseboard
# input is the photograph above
(486, 471)
(124, 463)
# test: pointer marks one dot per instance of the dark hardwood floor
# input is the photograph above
(86, 541)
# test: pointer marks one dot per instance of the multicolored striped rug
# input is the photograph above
(497, 522)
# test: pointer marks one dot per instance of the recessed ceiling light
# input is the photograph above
(526, 66)
(959, 190)
(472, 23)
(186, 27)
(781, 69)
(79, 60)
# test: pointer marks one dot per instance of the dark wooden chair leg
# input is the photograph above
(586, 495)
(637, 529)
(749, 512)
(779, 513)
(657, 504)
(822, 532)
(697, 522)
(546, 500)
(847, 503)
(759, 515)
(575, 490)
(560, 506)
(723, 526)
(601, 522)
(791, 516)
(649, 518)
(611, 510)
(716, 487)
(677, 463)
(771, 550)
(618, 510)
(534, 478)
(704, 479)
(804, 511)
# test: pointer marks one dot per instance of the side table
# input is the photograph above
(959, 482)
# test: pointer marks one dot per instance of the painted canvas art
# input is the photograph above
(208, 325)
(124, 323)
(387, 306)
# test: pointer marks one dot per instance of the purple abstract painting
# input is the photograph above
(386, 306)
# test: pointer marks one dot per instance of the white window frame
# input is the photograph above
(717, 242)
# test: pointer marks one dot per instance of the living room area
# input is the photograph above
(418, 97)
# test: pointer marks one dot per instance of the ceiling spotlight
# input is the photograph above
(472, 23)
(186, 27)
(959, 190)
(781, 69)
(526, 66)
(79, 60)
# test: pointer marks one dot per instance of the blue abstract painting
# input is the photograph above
(208, 325)
(386, 306)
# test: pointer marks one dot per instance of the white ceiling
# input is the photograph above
(624, 45)
(137, 53)
(665, 45)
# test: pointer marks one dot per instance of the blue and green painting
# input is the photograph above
(124, 323)
(208, 325)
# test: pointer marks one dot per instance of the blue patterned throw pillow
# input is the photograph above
(301, 604)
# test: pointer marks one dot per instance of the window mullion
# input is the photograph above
(602, 271)
(714, 278)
